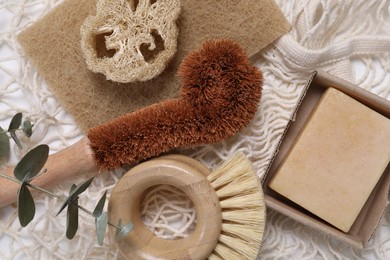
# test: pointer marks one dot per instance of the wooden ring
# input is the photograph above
(181, 172)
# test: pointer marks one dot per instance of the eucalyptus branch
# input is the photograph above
(23, 129)
(114, 226)
(46, 192)
(32, 186)
(84, 209)
(31, 166)
(10, 178)
(64, 198)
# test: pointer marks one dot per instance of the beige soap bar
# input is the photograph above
(337, 159)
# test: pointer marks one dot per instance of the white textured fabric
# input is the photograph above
(350, 39)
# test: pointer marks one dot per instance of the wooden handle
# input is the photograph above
(183, 173)
(74, 161)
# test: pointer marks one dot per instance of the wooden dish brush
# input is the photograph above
(229, 203)
(219, 97)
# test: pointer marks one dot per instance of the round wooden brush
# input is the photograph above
(219, 97)
(229, 203)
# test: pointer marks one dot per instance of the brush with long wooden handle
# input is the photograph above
(219, 97)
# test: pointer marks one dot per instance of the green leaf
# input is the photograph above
(27, 128)
(101, 226)
(4, 144)
(99, 207)
(26, 205)
(80, 189)
(68, 200)
(16, 139)
(32, 163)
(72, 220)
(74, 186)
(125, 230)
(75, 192)
(15, 123)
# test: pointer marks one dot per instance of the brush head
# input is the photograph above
(229, 204)
(219, 76)
(241, 199)
(220, 95)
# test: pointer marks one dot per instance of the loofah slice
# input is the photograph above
(130, 40)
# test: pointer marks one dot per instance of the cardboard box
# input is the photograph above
(369, 217)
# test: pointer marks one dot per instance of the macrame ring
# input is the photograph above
(181, 172)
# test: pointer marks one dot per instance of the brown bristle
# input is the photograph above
(220, 95)
(217, 74)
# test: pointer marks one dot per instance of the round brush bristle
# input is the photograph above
(243, 209)
(223, 252)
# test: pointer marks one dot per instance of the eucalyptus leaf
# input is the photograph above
(125, 230)
(75, 192)
(4, 144)
(16, 139)
(80, 189)
(26, 205)
(15, 123)
(101, 227)
(74, 186)
(27, 128)
(100, 206)
(72, 220)
(68, 200)
(32, 163)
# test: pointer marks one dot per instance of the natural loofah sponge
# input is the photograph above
(130, 40)
(220, 94)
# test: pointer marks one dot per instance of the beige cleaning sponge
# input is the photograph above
(130, 40)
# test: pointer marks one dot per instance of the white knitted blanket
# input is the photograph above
(350, 39)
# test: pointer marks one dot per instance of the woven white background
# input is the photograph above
(348, 38)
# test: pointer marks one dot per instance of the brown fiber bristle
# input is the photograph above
(219, 97)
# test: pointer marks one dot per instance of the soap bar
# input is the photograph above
(336, 160)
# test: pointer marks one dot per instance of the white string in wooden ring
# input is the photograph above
(183, 173)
